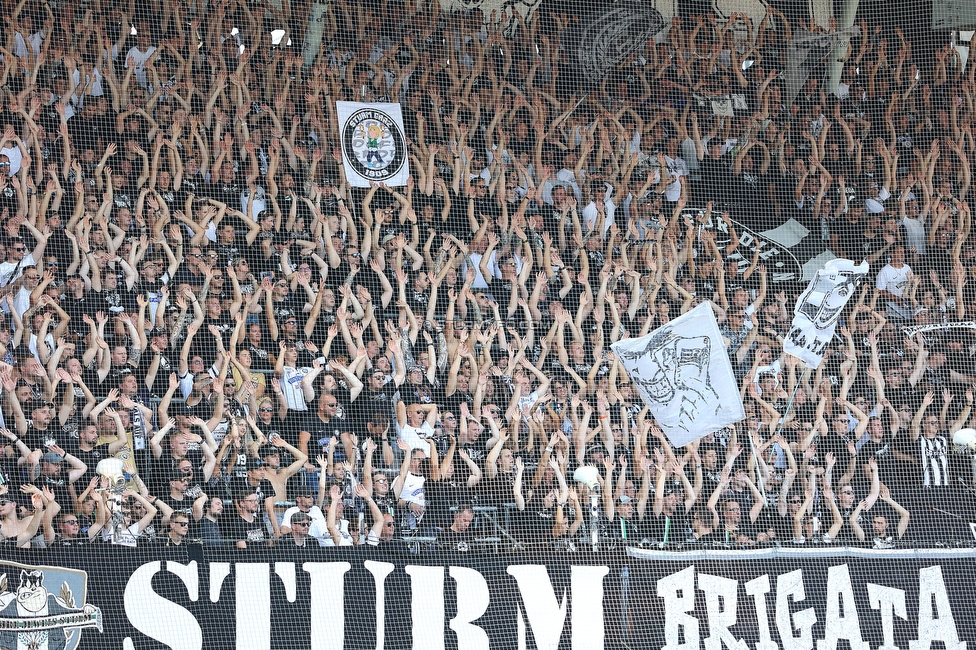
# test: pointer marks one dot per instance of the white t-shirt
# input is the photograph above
(314, 512)
(875, 205)
(140, 63)
(22, 301)
(914, 234)
(590, 213)
(676, 168)
(893, 280)
(10, 271)
(416, 436)
(413, 489)
(291, 386)
(96, 86)
(35, 40)
(123, 536)
(320, 531)
(479, 279)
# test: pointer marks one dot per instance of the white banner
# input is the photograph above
(374, 148)
(818, 308)
(683, 372)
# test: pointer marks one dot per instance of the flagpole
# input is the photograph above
(789, 405)
(752, 444)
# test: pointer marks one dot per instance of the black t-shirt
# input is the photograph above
(253, 533)
(449, 540)
(260, 356)
(707, 539)
(667, 529)
(320, 432)
(57, 484)
(40, 438)
(10, 474)
(227, 192)
(112, 302)
(370, 402)
(263, 490)
(499, 490)
(89, 458)
(884, 454)
(441, 496)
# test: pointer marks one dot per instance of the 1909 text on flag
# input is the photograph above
(374, 148)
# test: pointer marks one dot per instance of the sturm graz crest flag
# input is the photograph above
(374, 148)
(683, 372)
(819, 307)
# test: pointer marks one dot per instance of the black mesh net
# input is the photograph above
(484, 325)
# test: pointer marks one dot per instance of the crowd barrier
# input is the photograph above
(327, 599)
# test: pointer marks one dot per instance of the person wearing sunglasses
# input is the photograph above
(305, 506)
(69, 529)
(297, 533)
(179, 526)
(19, 259)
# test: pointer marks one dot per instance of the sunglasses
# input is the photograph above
(299, 523)
(70, 522)
(266, 410)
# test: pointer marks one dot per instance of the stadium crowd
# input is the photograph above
(191, 286)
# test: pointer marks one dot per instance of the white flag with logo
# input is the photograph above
(374, 148)
(683, 372)
(820, 306)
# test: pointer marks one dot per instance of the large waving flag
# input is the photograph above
(820, 306)
(683, 372)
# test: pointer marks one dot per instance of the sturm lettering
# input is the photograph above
(536, 606)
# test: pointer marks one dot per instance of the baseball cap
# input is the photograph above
(301, 491)
(254, 463)
(53, 457)
(594, 449)
(39, 404)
